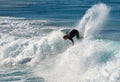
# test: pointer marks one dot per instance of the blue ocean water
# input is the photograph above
(33, 50)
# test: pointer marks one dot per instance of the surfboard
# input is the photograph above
(65, 31)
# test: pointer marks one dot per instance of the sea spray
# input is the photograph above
(93, 19)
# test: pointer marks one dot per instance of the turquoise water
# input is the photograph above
(33, 50)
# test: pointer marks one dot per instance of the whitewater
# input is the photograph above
(32, 52)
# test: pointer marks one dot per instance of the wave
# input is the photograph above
(57, 61)
(87, 61)
(15, 50)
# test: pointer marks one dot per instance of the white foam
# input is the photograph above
(23, 50)
(83, 62)
(21, 27)
(86, 61)
(58, 61)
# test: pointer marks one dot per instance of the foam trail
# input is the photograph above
(93, 19)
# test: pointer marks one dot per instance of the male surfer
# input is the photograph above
(72, 34)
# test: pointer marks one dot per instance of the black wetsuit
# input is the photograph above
(72, 34)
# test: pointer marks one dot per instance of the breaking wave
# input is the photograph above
(89, 60)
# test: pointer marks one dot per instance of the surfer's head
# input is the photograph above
(65, 37)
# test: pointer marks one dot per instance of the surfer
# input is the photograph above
(72, 34)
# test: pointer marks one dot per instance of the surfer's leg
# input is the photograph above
(77, 35)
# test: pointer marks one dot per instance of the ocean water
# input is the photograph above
(32, 48)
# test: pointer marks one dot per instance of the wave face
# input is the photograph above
(34, 50)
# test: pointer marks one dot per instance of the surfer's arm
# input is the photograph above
(72, 41)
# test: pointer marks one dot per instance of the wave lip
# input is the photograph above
(93, 19)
